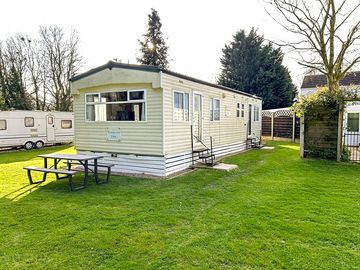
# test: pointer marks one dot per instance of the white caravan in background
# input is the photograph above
(34, 129)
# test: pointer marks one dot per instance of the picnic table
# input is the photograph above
(86, 161)
(69, 158)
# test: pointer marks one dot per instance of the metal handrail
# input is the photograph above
(199, 140)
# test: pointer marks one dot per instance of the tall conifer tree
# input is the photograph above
(153, 48)
(251, 66)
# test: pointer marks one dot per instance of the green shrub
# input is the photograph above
(346, 154)
(323, 153)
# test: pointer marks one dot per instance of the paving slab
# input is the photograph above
(225, 167)
(268, 147)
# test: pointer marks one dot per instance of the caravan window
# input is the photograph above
(242, 110)
(50, 120)
(29, 121)
(181, 106)
(2, 124)
(238, 110)
(214, 109)
(113, 96)
(256, 113)
(66, 124)
(116, 106)
(136, 95)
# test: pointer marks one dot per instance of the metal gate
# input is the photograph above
(351, 141)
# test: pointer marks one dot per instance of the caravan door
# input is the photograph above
(250, 120)
(50, 128)
(198, 117)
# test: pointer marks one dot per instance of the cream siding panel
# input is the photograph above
(230, 129)
(116, 76)
(142, 138)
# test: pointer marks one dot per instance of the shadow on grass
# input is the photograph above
(22, 155)
(20, 192)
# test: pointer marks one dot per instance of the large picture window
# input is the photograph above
(353, 122)
(214, 109)
(116, 106)
(181, 106)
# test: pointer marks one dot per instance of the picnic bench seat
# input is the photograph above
(68, 175)
(99, 165)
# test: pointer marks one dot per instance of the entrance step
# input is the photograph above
(200, 150)
(225, 167)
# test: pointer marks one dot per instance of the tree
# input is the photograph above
(326, 35)
(327, 38)
(251, 66)
(12, 75)
(153, 48)
(35, 71)
(62, 61)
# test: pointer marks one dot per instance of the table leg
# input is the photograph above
(96, 171)
(55, 167)
(69, 164)
(45, 163)
(86, 169)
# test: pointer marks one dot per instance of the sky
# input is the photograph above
(196, 30)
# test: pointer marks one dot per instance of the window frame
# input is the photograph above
(63, 120)
(211, 109)
(185, 119)
(238, 109)
(29, 117)
(5, 124)
(256, 113)
(144, 100)
(358, 122)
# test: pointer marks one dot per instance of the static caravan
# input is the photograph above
(34, 129)
(148, 120)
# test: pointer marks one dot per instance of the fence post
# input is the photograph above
(293, 127)
(339, 133)
(302, 136)
(272, 126)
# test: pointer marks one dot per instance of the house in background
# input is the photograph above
(351, 121)
(148, 120)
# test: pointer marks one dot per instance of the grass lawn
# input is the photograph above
(275, 211)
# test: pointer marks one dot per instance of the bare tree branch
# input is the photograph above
(320, 24)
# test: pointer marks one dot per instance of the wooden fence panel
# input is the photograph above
(283, 126)
(266, 126)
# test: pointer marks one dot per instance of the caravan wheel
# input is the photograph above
(28, 145)
(39, 144)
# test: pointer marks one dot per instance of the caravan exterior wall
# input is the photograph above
(229, 118)
(34, 129)
(149, 133)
